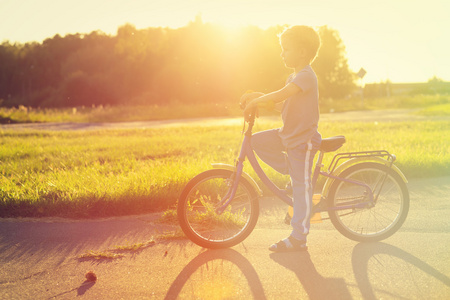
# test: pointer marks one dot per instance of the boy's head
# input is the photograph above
(302, 37)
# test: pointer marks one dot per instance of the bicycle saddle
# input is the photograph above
(332, 144)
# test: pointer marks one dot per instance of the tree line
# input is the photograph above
(160, 66)
(434, 86)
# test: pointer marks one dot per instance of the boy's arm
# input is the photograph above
(274, 97)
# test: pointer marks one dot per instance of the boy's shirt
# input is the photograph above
(300, 112)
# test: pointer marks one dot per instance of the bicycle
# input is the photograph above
(365, 196)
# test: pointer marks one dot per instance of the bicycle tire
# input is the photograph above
(378, 221)
(199, 220)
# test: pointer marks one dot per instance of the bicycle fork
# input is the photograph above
(234, 179)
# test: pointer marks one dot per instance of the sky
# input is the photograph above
(396, 40)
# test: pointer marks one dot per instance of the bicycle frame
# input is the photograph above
(247, 152)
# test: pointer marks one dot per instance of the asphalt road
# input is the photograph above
(39, 259)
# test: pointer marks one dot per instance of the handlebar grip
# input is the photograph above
(252, 116)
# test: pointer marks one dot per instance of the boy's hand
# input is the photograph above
(250, 110)
(247, 97)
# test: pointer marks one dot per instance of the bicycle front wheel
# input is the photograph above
(199, 219)
(378, 220)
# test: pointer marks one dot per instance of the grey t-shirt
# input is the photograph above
(300, 112)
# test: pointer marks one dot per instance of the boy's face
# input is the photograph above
(293, 56)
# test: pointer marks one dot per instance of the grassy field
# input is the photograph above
(115, 113)
(436, 110)
(83, 174)
(429, 105)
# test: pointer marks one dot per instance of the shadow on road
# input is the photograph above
(315, 285)
(40, 240)
(29, 248)
(81, 290)
(214, 268)
(385, 263)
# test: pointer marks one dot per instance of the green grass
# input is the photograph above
(207, 216)
(436, 110)
(115, 113)
(394, 102)
(134, 247)
(405, 102)
(99, 255)
(177, 234)
(82, 174)
(116, 252)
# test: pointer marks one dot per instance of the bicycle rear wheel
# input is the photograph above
(199, 219)
(376, 221)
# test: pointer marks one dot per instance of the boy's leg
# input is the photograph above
(300, 167)
(269, 148)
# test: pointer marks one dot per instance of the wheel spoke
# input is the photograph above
(379, 219)
(197, 209)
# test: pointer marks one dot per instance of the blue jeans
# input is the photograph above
(297, 162)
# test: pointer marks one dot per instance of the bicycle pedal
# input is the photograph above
(287, 219)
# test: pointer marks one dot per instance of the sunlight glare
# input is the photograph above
(384, 39)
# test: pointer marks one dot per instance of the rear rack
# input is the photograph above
(349, 155)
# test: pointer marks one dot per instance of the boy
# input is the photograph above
(291, 148)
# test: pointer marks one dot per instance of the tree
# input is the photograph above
(331, 66)
(196, 63)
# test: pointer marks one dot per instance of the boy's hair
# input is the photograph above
(302, 36)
